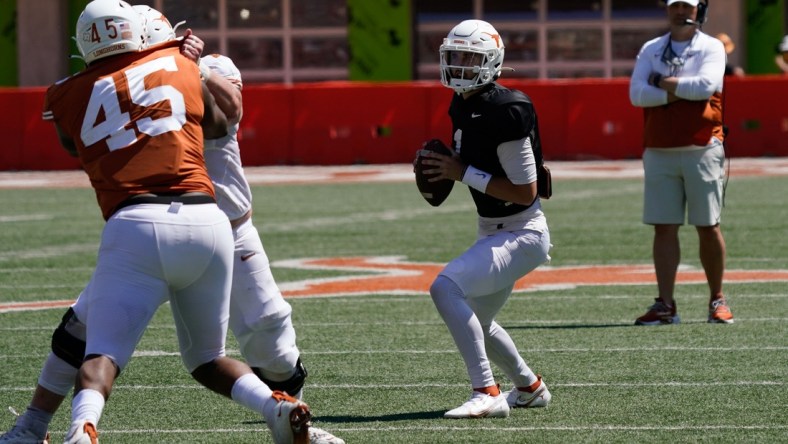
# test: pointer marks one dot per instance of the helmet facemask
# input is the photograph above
(464, 70)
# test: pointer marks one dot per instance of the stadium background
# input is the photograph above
(336, 82)
(382, 364)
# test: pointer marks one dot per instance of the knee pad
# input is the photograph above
(270, 346)
(68, 339)
(292, 386)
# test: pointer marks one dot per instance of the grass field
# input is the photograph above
(383, 368)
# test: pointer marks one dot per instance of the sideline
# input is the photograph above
(268, 175)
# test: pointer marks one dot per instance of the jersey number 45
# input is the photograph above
(114, 126)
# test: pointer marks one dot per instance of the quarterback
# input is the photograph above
(496, 152)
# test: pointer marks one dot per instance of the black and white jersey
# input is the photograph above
(480, 124)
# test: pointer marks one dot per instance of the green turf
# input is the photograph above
(383, 368)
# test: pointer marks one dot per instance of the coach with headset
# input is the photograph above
(678, 81)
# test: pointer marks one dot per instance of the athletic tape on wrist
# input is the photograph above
(476, 178)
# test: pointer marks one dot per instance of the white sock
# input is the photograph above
(252, 393)
(502, 351)
(87, 405)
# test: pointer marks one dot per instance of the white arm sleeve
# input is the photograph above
(641, 94)
(517, 159)
(705, 73)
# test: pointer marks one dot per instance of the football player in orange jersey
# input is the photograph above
(136, 119)
(678, 81)
(259, 316)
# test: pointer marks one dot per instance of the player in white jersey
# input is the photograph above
(260, 318)
(259, 315)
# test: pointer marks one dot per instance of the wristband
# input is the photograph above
(656, 79)
(205, 71)
(476, 178)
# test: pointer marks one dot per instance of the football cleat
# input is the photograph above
(291, 425)
(22, 433)
(481, 405)
(658, 314)
(535, 396)
(320, 436)
(82, 432)
(719, 312)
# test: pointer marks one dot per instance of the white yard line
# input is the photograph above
(763, 348)
(625, 385)
(490, 429)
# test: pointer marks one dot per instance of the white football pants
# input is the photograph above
(260, 318)
(472, 289)
(259, 315)
(151, 254)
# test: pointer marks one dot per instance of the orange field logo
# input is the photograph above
(395, 275)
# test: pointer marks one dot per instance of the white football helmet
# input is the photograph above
(471, 56)
(157, 28)
(108, 27)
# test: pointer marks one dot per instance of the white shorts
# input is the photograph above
(151, 254)
(684, 183)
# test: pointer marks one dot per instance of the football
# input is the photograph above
(433, 192)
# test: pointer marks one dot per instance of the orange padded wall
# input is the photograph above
(340, 123)
(29, 142)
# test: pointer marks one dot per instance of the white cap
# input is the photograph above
(784, 44)
(690, 2)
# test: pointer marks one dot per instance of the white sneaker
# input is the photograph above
(291, 425)
(82, 432)
(481, 405)
(320, 436)
(521, 399)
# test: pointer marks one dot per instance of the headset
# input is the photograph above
(702, 16)
(703, 9)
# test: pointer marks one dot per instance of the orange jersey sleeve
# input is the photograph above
(135, 120)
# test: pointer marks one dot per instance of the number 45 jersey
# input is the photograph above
(135, 120)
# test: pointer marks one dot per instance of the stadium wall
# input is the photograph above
(341, 123)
